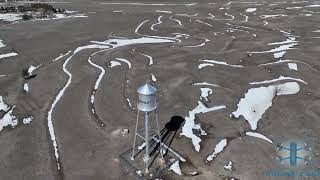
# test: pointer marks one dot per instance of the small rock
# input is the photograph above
(125, 132)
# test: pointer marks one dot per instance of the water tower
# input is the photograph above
(147, 104)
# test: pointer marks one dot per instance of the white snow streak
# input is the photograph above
(129, 103)
(219, 62)
(96, 86)
(61, 56)
(258, 135)
(159, 22)
(150, 58)
(281, 78)
(149, 4)
(200, 45)
(125, 61)
(204, 23)
(162, 11)
(176, 20)
(205, 84)
(202, 65)
(153, 78)
(245, 16)
(8, 55)
(273, 15)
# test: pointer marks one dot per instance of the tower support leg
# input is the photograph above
(135, 136)
(146, 129)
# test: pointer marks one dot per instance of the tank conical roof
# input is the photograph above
(146, 89)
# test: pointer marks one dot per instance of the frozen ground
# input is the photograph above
(243, 74)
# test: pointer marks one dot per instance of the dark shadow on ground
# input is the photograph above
(167, 135)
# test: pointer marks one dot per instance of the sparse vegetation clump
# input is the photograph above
(8, 9)
(31, 11)
(26, 17)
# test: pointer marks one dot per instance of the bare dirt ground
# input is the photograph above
(230, 32)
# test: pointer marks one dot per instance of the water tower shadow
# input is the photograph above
(167, 135)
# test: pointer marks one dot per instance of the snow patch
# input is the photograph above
(202, 65)
(153, 78)
(189, 126)
(10, 17)
(3, 105)
(126, 61)
(251, 10)
(139, 172)
(228, 166)
(114, 64)
(31, 69)
(218, 149)
(8, 120)
(27, 120)
(26, 87)
(175, 167)
(142, 146)
(2, 44)
(280, 51)
(293, 66)
(258, 100)
(129, 103)
(205, 92)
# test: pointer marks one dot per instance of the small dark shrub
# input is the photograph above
(45, 7)
(26, 17)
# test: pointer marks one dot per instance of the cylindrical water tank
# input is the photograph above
(147, 98)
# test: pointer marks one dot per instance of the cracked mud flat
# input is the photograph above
(208, 60)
